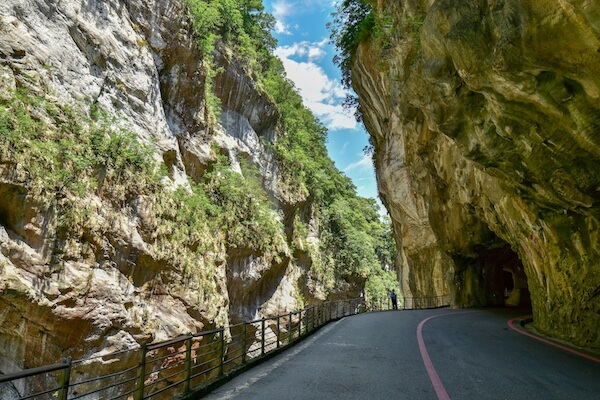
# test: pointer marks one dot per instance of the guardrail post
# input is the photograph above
(65, 377)
(188, 364)
(245, 334)
(139, 395)
(306, 320)
(320, 315)
(323, 313)
(290, 329)
(278, 330)
(222, 352)
(262, 337)
(299, 323)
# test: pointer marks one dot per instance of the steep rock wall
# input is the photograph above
(115, 286)
(484, 117)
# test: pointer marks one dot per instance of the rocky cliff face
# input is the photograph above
(111, 278)
(485, 118)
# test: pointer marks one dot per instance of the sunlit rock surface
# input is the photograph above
(139, 61)
(485, 120)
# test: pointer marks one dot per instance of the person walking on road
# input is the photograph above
(394, 299)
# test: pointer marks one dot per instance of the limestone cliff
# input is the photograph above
(485, 120)
(92, 266)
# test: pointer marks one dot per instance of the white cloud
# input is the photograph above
(321, 94)
(333, 116)
(281, 10)
(315, 53)
(363, 164)
(281, 28)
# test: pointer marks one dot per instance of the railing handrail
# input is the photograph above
(34, 371)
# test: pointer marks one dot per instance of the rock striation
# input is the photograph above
(485, 121)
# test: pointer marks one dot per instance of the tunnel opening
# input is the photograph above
(491, 275)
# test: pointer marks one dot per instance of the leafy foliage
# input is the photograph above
(245, 214)
(354, 241)
(301, 151)
(352, 23)
(65, 155)
(355, 21)
(242, 24)
(380, 283)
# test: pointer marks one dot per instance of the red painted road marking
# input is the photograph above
(511, 324)
(440, 390)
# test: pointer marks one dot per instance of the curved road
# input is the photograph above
(463, 354)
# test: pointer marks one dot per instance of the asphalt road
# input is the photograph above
(472, 355)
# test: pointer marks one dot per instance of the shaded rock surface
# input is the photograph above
(485, 120)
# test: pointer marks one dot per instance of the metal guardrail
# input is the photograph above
(185, 364)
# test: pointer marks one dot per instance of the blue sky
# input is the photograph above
(303, 46)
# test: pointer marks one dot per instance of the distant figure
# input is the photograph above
(394, 300)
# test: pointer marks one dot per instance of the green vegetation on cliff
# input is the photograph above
(94, 174)
(353, 22)
(355, 244)
(242, 24)
(353, 237)
(356, 21)
(64, 157)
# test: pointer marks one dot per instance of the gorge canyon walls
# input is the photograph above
(485, 121)
(97, 254)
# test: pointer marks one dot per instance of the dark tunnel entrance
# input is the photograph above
(491, 276)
